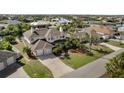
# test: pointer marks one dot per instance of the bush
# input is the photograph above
(90, 53)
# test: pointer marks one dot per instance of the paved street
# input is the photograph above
(94, 69)
(13, 71)
(56, 66)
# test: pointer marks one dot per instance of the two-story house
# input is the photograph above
(40, 39)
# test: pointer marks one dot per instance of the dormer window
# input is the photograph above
(62, 36)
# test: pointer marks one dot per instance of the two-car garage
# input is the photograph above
(43, 52)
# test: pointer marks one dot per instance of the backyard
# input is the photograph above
(33, 67)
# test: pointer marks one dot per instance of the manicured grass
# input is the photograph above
(122, 33)
(115, 43)
(76, 60)
(34, 68)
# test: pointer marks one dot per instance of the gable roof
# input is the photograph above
(4, 55)
(101, 29)
(12, 22)
(79, 34)
(41, 31)
(40, 44)
(53, 32)
(36, 33)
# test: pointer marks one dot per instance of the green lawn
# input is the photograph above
(115, 43)
(34, 68)
(122, 33)
(77, 60)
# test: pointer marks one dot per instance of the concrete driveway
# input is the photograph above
(55, 65)
(19, 73)
(13, 71)
(111, 46)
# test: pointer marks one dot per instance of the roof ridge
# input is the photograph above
(44, 45)
(49, 30)
(36, 44)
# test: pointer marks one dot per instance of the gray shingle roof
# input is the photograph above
(40, 32)
(40, 44)
(14, 22)
(4, 54)
(54, 32)
(79, 35)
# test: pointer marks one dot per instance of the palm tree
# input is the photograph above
(88, 38)
(58, 48)
(115, 67)
(27, 50)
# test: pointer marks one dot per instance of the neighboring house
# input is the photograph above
(7, 58)
(41, 23)
(61, 21)
(64, 21)
(104, 31)
(120, 28)
(12, 22)
(41, 39)
(2, 26)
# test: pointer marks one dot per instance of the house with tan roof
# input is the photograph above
(104, 31)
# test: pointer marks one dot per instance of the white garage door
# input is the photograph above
(39, 52)
(1, 66)
(10, 60)
(47, 51)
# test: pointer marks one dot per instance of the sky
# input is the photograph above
(104, 7)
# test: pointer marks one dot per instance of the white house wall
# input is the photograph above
(10, 60)
(39, 52)
(1, 66)
(47, 51)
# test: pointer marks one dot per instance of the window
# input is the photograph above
(62, 36)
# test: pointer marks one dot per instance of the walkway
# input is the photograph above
(111, 46)
(122, 41)
(57, 67)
